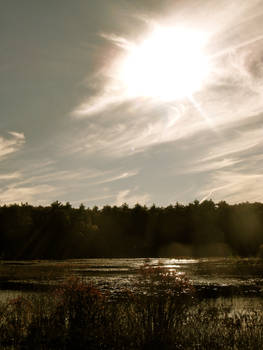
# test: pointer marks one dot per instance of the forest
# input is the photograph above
(60, 231)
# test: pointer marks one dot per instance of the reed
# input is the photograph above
(161, 312)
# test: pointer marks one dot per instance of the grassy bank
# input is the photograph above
(162, 312)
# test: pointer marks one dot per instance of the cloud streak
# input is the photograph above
(232, 92)
(49, 184)
(11, 143)
(30, 194)
(131, 198)
(117, 146)
(223, 119)
(235, 187)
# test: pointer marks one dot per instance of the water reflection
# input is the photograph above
(238, 281)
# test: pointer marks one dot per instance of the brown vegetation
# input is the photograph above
(162, 313)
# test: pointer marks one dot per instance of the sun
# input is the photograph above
(169, 64)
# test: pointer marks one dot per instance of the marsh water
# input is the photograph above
(238, 283)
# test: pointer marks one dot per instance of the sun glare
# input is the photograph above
(169, 64)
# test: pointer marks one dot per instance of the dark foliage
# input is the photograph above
(59, 231)
(78, 316)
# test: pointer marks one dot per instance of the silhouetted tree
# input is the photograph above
(60, 231)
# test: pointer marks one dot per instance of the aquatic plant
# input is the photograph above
(78, 315)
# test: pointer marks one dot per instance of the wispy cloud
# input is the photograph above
(235, 146)
(234, 187)
(31, 194)
(91, 177)
(11, 143)
(39, 185)
(232, 91)
(131, 197)
(212, 166)
(10, 176)
(125, 175)
(91, 201)
(206, 144)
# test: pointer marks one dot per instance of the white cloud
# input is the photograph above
(30, 194)
(232, 93)
(43, 185)
(112, 124)
(17, 135)
(92, 200)
(131, 198)
(91, 177)
(211, 166)
(116, 178)
(10, 176)
(11, 144)
(235, 187)
(233, 146)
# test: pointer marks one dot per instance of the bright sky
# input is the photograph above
(112, 101)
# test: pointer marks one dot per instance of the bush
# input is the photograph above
(156, 307)
(159, 313)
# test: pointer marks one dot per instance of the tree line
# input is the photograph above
(197, 229)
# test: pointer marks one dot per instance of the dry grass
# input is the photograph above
(162, 313)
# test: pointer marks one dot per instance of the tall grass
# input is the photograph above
(161, 312)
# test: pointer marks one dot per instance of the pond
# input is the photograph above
(238, 283)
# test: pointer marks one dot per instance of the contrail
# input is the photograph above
(215, 56)
(207, 196)
(238, 46)
(202, 113)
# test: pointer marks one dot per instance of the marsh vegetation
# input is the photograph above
(163, 310)
(127, 303)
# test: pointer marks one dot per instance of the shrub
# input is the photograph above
(159, 313)
(156, 307)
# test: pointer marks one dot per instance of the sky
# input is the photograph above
(137, 101)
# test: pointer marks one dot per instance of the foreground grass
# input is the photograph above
(162, 313)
